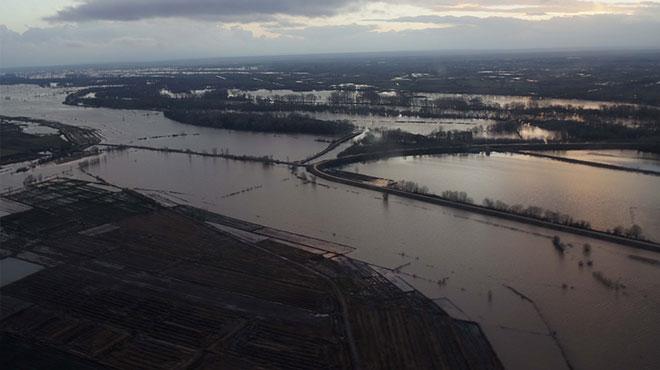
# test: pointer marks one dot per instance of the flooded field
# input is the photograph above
(476, 267)
(526, 100)
(324, 96)
(477, 257)
(606, 198)
(623, 158)
(415, 125)
(152, 129)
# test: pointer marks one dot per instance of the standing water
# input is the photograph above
(476, 267)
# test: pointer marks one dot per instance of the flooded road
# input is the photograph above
(468, 263)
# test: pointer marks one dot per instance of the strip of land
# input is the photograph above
(333, 145)
(326, 170)
(247, 158)
(590, 163)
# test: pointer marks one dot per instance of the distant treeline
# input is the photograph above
(173, 95)
(598, 130)
(391, 140)
(595, 130)
(630, 77)
(572, 123)
(536, 212)
(282, 123)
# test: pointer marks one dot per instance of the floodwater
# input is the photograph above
(33, 128)
(624, 158)
(415, 125)
(598, 327)
(323, 96)
(152, 129)
(426, 126)
(529, 101)
(606, 198)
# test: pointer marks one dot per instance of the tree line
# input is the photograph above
(539, 213)
(283, 123)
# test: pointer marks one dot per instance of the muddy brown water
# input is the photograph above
(477, 256)
(604, 197)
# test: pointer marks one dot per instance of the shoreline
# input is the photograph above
(590, 163)
(320, 169)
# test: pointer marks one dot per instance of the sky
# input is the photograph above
(55, 32)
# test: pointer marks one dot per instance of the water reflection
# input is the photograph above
(323, 97)
(624, 158)
(128, 126)
(606, 198)
(476, 256)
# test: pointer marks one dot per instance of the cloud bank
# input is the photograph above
(128, 10)
(97, 31)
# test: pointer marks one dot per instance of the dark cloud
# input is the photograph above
(130, 10)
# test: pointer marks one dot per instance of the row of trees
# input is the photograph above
(536, 212)
(634, 232)
(572, 122)
(411, 187)
(282, 123)
(386, 140)
(597, 130)
(457, 196)
(300, 99)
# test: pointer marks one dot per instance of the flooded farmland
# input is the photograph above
(415, 125)
(605, 198)
(352, 93)
(624, 158)
(475, 266)
(152, 129)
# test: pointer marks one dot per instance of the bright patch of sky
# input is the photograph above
(19, 15)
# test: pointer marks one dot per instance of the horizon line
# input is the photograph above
(427, 52)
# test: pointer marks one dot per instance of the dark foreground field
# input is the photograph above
(103, 278)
